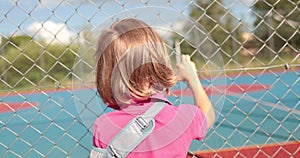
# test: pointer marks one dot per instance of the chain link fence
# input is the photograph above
(246, 53)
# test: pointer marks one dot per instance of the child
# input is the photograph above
(133, 72)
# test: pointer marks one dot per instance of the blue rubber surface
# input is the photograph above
(53, 130)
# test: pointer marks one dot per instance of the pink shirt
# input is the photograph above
(175, 128)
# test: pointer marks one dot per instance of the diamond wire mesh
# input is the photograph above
(41, 41)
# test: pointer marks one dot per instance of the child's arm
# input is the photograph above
(187, 71)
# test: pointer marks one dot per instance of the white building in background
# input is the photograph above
(249, 46)
(247, 36)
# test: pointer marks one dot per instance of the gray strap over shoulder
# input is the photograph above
(131, 135)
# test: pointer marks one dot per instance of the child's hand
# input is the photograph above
(187, 69)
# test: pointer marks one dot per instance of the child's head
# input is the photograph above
(133, 63)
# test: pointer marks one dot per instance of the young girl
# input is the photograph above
(133, 72)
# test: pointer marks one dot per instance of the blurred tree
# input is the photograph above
(59, 61)
(221, 25)
(277, 27)
(19, 53)
(28, 62)
(85, 64)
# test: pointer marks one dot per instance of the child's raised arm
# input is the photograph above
(187, 72)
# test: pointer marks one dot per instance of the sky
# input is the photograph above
(63, 20)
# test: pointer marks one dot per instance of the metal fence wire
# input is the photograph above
(246, 53)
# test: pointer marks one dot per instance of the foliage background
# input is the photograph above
(274, 39)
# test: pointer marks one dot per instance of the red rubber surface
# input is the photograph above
(290, 149)
(216, 90)
(14, 106)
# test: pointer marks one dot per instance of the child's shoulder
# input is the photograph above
(113, 117)
(184, 106)
(188, 110)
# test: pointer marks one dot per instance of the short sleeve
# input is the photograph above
(96, 142)
(199, 124)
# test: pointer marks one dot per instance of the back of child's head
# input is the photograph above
(133, 63)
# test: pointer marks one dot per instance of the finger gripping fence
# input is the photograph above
(246, 53)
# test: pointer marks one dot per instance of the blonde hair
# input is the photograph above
(132, 60)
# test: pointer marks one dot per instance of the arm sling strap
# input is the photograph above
(131, 135)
